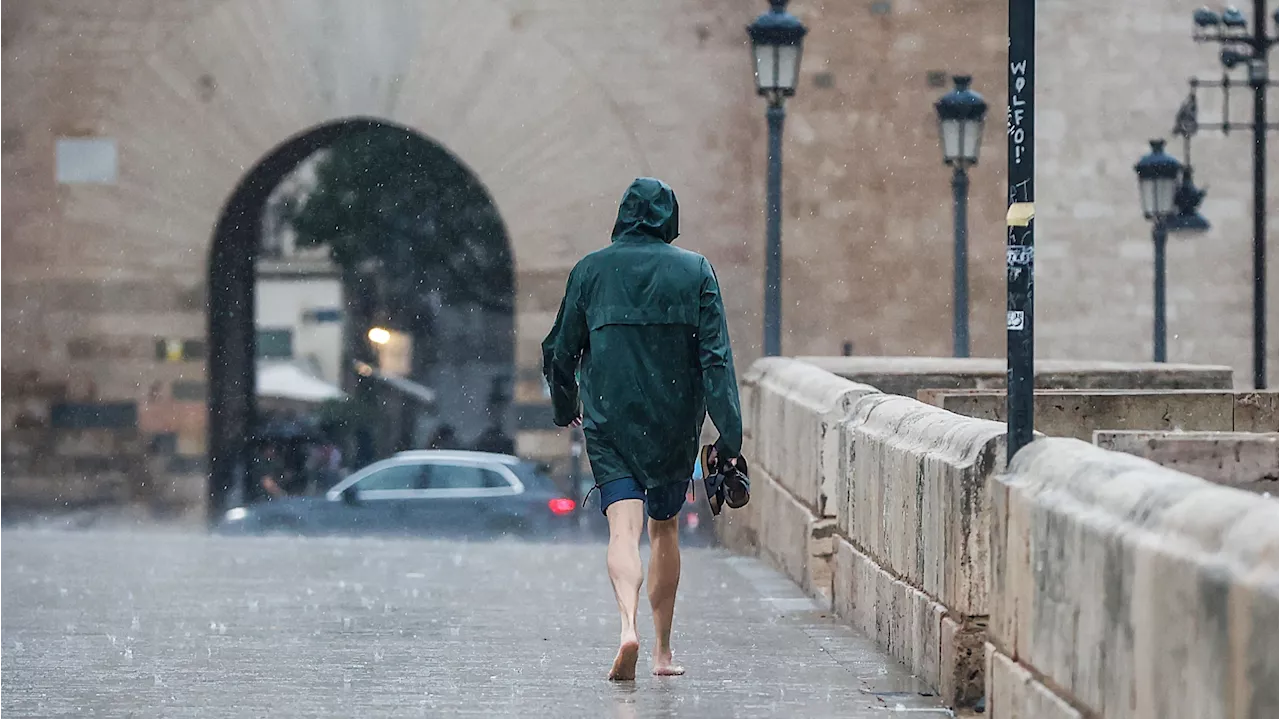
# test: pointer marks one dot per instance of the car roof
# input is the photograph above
(464, 454)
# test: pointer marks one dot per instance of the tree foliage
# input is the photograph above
(391, 200)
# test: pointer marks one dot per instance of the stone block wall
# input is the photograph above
(876, 502)
(557, 104)
(1121, 589)
(1078, 581)
(63, 448)
(1079, 413)
(62, 464)
(908, 375)
(807, 404)
(914, 518)
(790, 416)
(1243, 460)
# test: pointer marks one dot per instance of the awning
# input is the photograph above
(409, 387)
(401, 384)
(286, 381)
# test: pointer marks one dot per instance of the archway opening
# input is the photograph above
(373, 237)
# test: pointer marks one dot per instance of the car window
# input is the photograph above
(453, 476)
(534, 478)
(398, 476)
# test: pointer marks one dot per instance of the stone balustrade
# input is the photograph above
(883, 505)
(1123, 589)
(900, 551)
(1244, 460)
(1078, 413)
(908, 375)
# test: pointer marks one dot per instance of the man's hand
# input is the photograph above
(713, 458)
(577, 422)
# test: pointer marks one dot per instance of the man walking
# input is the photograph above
(642, 327)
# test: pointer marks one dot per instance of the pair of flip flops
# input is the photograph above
(725, 481)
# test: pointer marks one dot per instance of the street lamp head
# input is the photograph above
(777, 38)
(1187, 199)
(1206, 18)
(961, 113)
(1230, 58)
(1233, 18)
(1157, 181)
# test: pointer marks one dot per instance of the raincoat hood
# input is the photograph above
(648, 208)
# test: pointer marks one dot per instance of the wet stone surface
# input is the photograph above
(152, 624)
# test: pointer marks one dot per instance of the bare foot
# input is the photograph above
(624, 665)
(663, 665)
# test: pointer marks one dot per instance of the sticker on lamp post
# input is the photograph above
(1015, 320)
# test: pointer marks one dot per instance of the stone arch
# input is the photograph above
(535, 128)
(232, 272)
(218, 97)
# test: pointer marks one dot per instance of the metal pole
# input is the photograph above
(1020, 254)
(1258, 79)
(960, 291)
(1160, 234)
(773, 257)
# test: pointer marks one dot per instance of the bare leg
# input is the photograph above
(664, 578)
(626, 518)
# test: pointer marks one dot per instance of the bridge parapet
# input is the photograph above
(886, 507)
(1123, 589)
(878, 503)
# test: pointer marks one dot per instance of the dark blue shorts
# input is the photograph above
(661, 503)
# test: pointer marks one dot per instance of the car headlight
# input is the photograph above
(235, 515)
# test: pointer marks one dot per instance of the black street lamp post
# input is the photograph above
(1158, 173)
(777, 38)
(1240, 46)
(961, 113)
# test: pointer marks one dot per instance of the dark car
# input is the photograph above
(458, 494)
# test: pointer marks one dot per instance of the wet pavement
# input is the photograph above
(155, 624)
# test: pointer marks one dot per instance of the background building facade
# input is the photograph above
(555, 106)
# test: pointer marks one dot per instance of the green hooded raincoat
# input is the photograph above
(640, 348)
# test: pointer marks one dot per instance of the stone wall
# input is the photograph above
(908, 375)
(875, 502)
(1079, 413)
(556, 104)
(195, 91)
(790, 435)
(1243, 460)
(914, 535)
(1121, 589)
(810, 404)
(882, 505)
